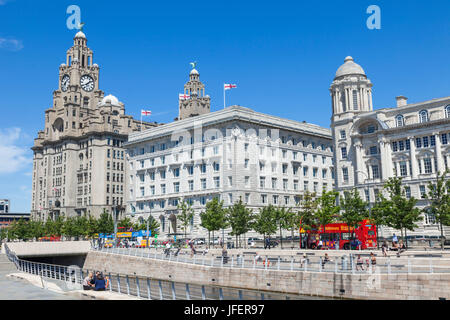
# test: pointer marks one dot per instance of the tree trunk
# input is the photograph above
(209, 238)
(292, 238)
(281, 239)
(406, 239)
(442, 236)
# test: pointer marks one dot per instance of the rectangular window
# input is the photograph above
(403, 169)
(425, 142)
(176, 187)
(305, 185)
(344, 153)
(373, 150)
(345, 174)
(401, 145)
(375, 172)
(422, 192)
(444, 138)
(163, 189)
(394, 146)
(408, 144)
(343, 134)
(418, 143)
(315, 170)
(274, 183)
(217, 182)
(432, 141)
(191, 185)
(408, 192)
(262, 182)
(203, 183)
(427, 165)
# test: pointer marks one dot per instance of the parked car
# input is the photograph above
(200, 241)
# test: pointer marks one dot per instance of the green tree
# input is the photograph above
(282, 220)
(240, 219)
(439, 202)
(185, 216)
(36, 229)
(127, 224)
(213, 218)
(354, 210)
(401, 213)
(327, 209)
(308, 207)
(105, 223)
(265, 221)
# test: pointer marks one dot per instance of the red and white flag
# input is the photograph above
(229, 86)
(145, 113)
(184, 96)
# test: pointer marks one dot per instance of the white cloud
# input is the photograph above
(11, 44)
(13, 157)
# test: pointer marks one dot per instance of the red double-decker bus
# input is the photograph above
(339, 235)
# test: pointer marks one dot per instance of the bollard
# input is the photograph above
(174, 295)
(254, 263)
(240, 295)
(221, 263)
(212, 261)
(118, 283)
(262, 296)
(232, 260)
(203, 293)
(138, 287)
(160, 290)
(265, 265)
(278, 266)
(292, 263)
(149, 294)
(188, 294)
(110, 282)
(220, 294)
(128, 285)
(320, 264)
(306, 265)
(242, 260)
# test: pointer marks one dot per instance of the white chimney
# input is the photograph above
(401, 101)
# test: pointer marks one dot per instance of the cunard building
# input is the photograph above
(410, 140)
(79, 161)
(232, 154)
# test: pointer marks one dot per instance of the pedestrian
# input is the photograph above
(303, 260)
(87, 282)
(100, 283)
(266, 243)
(359, 263)
(394, 239)
(401, 248)
(326, 259)
(224, 255)
(384, 248)
(320, 245)
(373, 259)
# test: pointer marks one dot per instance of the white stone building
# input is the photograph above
(79, 162)
(235, 153)
(410, 141)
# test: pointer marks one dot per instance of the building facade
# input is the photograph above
(370, 146)
(79, 161)
(4, 206)
(232, 154)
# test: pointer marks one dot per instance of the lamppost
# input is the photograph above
(116, 210)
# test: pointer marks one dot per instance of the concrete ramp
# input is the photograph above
(46, 249)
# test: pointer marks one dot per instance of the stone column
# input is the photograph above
(439, 158)
(386, 159)
(414, 165)
(359, 166)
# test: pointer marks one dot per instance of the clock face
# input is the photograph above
(65, 83)
(87, 83)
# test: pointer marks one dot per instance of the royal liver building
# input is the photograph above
(79, 161)
(409, 141)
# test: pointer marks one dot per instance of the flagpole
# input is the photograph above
(224, 105)
(141, 120)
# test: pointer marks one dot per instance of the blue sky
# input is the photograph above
(282, 55)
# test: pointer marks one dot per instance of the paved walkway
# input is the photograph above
(17, 285)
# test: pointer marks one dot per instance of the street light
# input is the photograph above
(116, 209)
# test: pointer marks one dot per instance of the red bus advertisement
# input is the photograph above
(339, 236)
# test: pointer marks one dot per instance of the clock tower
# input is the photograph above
(79, 164)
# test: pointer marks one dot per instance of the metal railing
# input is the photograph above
(70, 278)
(336, 264)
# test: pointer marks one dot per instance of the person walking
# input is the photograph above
(394, 239)
(384, 248)
(359, 263)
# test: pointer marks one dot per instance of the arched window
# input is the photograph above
(447, 111)
(423, 116)
(400, 121)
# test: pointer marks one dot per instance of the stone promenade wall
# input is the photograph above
(359, 286)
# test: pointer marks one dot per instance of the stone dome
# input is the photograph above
(194, 71)
(350, 68)
(80, 34)
(110, 99)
